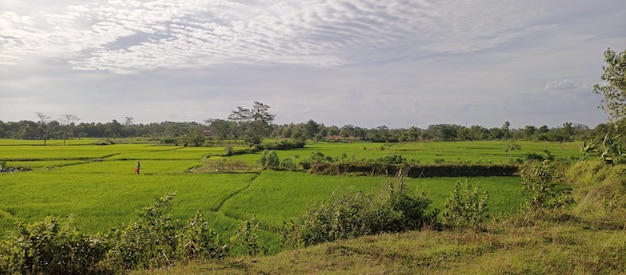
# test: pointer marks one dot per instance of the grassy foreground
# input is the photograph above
(586, 238)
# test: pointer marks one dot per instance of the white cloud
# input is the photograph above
(338, 61)
(187, 34)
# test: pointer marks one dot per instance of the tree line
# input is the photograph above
(226, 129)
(251, 125)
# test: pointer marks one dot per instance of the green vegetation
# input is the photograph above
(229, 203)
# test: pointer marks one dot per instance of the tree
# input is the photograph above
(311, 128)
(510, 147)
(67, 121)
(128, 121)
(220, 128)
(43, 121)
(254, 123)
(614, 86)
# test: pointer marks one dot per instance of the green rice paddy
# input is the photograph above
(96, 184)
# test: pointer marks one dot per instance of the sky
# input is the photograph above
(368, 63)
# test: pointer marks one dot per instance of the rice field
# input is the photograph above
(96, 185)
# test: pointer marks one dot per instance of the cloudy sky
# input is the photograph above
(369, 63)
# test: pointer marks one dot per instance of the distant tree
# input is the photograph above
(311, 128)
(221, 128)
(128, 121)
(67, 121)
(43, 127)
(254, 123)
(614, 84)
(113, 129)
(529, 131)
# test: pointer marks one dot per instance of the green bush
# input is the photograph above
(247, 236)
(466, 206)
(350, 215)
(340, 217)
(51, 247)
(197, 241)
(285, 144)
(269, 160)
(287, 164)
(544, 187)
(149, 242)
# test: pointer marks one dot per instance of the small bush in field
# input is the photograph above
(466, 206)
(287, 164)
(149, 242)
(269, 160)
(157, 240)
(351, 215)
(247, 236)
(544, 187)
(198, 241)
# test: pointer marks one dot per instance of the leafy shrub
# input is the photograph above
(391, 159)
(319, 157)
(398, 209)
(340, 217)
(466, 206)
(149, 242)
(228, 151)
(305, 164)
(287, 164)
(534, 156)
(286, 144)
(544, 187)
(51, 247)
(269, 159)
(197, 241)
(247, 236)
(356, 214)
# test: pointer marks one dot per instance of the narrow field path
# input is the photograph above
(219, 207)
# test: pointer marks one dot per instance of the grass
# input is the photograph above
(427, 152)
(547, 249)
(96, 185)
(275, 197)
(561, 241)
(103, 200)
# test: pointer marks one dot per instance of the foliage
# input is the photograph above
(398, 209)
(466, 206)
(415, 170)
(269, 160)
(254, 123)
(285, 144)
(340, 217)
(510, 147)
(247, 236)
(198, 241)
(614, 88)
(51, 247)
(588, 147)
(613, 151)
(546, 156)
(392, 159)
(149, 242)
(544, 187)
(287, 164)
(355, 214)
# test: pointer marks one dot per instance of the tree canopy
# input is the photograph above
(613, 87)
